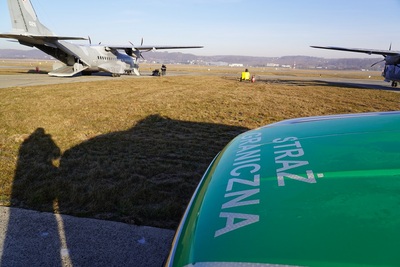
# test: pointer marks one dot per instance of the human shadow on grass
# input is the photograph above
(145, 175)
(34, 186)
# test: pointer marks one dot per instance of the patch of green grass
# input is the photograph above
(134, 150)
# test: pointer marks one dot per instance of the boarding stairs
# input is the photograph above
(68, 71)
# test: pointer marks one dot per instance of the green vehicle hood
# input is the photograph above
(318, 191)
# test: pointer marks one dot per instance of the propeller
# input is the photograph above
(390, 48)
(384, 57)
(379, 61)
(141, 43)
(90, 41)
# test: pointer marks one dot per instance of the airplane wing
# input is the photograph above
(39, 37)
(137, 50)
(361, 50)
(149, 47)
(111, 47)
(164, 47)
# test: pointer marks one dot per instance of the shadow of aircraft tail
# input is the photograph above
(143, 175)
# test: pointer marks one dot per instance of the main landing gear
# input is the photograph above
(116, 75)
(394, 84)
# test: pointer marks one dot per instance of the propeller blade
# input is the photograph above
(90, 40)
(377, 62)
(141, 43)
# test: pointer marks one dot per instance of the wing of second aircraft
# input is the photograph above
(361, 50)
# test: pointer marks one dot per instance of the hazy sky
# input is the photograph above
(226, 27)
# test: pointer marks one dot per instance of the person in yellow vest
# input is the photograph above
(245, 75)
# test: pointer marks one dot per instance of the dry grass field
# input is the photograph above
(134, 150)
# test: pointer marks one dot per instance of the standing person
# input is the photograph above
(163, 70)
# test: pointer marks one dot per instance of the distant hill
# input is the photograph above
(300, 62)
(21, 54)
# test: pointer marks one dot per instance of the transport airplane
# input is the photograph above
(391, 72)
(85, 59)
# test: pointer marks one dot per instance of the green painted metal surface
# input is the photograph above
(318, 192)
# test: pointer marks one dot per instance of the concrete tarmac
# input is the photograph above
(23, 80)
(31, 238)
(33, 79)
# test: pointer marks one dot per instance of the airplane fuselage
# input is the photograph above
(391, 73)
(95, 58)
(392, 60)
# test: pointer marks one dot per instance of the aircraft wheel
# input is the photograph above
(394, 84)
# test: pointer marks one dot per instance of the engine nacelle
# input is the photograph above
(392, 60)
(129, 51)
(132, 52)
